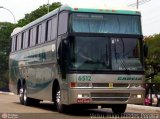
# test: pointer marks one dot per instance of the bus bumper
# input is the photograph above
(106, 96)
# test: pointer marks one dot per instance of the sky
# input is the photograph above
(150, 10)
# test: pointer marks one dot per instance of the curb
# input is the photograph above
(143, 107)
(7, 93)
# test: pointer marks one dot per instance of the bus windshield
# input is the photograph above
(87, 55)
(105, 53)
(105, 23)
(126, 54)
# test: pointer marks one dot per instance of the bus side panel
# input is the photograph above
(38, 67)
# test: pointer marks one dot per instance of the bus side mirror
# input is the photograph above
(145, 50)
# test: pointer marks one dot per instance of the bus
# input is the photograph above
(83, 57)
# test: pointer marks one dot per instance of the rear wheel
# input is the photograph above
(24, 99)
(119, 108)
(21, 95)
(158, 104)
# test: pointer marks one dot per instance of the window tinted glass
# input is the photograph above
(13, 43)
(34, 36)
(39, 33)
(105, 23)
(43, 32)
(25, 43)
(54, 28)
(63, 23)
(19, 41)
(49, 30)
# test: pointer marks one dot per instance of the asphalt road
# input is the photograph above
(10, 108)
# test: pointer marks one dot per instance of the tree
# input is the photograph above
(153, 59)
(5, 31)
(42, 10)
(5, 42)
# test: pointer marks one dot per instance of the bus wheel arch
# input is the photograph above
(20, 83)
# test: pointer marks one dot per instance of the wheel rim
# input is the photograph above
(21, 93)
(58, 97)
(25, 95)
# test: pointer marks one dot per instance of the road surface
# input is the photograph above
(10, 108)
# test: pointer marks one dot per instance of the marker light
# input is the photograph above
(72, 84)
(75, 8)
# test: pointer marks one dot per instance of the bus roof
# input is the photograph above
(102, 9)
(112, 10)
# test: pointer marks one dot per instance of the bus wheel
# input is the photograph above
(27, 100)
(60, 107)
(158, 104)
(119, 108)
(21, 95)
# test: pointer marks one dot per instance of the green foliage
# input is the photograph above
(153, 59)
(42, 10)
(5, 32)
(156, 79)
(154, 49)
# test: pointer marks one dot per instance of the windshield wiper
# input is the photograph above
(124, 65)
(121, 59)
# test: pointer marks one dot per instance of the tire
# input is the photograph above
(26, 100)
(158, 104)
(60, 107)
(21, 95)
(119, 108)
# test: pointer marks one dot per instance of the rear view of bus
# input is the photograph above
(80, 56)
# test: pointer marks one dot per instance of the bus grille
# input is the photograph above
(105, 85)
(110, 96)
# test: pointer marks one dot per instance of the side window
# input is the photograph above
(13, 43)
(34, 35)
(54, 28)
(22, 37)
(63, 23)
(39, 33)
(25, 43)
(43, 32)
(19, 40)
(49, 23)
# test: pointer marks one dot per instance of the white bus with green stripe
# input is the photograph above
(79, 57)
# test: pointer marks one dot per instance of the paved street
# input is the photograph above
(11, 108)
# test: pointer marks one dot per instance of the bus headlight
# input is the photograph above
(136, 85)
(83, 96)
(136, 96)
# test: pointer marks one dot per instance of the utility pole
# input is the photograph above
(137, 4)
(48, 6)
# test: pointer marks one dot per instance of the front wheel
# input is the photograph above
(60, 107)
(119, 108)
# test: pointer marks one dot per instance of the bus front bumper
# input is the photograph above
(106, 96)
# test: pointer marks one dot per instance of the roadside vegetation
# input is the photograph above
(5, 31)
